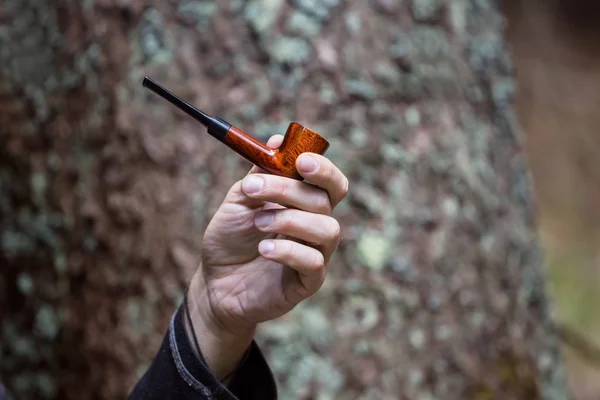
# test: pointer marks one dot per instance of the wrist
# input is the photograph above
(222, 346)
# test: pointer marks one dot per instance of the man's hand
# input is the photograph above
(265, 250)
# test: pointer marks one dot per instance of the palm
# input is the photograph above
(247, 288)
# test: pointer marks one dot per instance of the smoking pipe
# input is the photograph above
(298, 139)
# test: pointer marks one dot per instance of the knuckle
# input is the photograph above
(329, 172)
(319, 261)
(289, 250)
(336, 229)
(283, 188)
(323, 203)
(283, 220)
(345, 186)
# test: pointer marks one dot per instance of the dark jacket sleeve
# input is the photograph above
(177, 373)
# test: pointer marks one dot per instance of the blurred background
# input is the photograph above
(105, 190)
(556, 49)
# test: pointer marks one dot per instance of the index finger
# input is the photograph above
(321, 172)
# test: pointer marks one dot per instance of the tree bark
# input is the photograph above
(437, 290)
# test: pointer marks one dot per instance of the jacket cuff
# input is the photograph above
(191, 369)
(252, 377)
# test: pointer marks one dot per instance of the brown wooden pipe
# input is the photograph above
(298, 139)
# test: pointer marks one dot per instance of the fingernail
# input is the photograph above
(252, 184)
(264, 219)
(308, 164)
(266, 246)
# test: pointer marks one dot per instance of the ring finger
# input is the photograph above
(316, 229)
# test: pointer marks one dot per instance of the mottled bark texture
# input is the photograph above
(437, 290)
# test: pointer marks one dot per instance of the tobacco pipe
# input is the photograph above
(298, 139)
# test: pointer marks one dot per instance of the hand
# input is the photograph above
(265, 250)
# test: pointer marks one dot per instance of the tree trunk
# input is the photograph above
(437, 289)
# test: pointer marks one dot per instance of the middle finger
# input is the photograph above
(287, 192)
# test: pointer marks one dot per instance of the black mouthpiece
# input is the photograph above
(215, 126)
